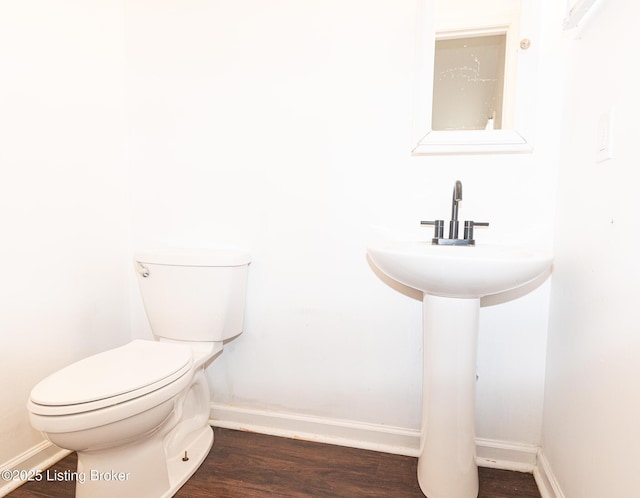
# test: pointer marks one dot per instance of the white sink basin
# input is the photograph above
(459, 271)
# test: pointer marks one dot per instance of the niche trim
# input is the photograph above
(471, 142)
(509, 140)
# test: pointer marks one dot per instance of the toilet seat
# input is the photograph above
(110, 378)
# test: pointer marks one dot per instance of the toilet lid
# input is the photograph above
(113, 376)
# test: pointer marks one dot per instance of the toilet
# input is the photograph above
(137, 415)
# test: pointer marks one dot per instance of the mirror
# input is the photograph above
(476, 67)
(468, 82)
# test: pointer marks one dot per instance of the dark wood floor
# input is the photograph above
(247, 465)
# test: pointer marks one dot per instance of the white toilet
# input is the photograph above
(138, 415)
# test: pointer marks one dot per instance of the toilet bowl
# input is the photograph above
(137, 415)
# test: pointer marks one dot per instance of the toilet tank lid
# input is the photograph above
(194, 257)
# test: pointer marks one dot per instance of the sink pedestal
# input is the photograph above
(453, 279)
(447, 462)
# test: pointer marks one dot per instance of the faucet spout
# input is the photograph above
(453, 239)
(457, 197)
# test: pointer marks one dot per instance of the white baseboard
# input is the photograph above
(399, 441)
(319, 429)
(545, 479)
(506, 455)
(38, 458)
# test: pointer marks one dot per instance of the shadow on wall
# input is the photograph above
(397, 286)
(510, 295)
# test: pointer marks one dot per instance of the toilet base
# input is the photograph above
(141, 470)
(197, 450)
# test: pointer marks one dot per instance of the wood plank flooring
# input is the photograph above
(248, 465)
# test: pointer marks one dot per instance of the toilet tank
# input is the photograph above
(193, 294)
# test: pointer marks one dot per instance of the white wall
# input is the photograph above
(282, 127)
(592, 406)
(286, 128)
(63, 205)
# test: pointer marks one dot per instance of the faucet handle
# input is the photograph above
(438, 228)
(468, 228)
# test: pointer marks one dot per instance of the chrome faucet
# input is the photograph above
(453, 240)
(457, 197)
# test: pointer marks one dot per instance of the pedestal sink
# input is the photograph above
(453, 279)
